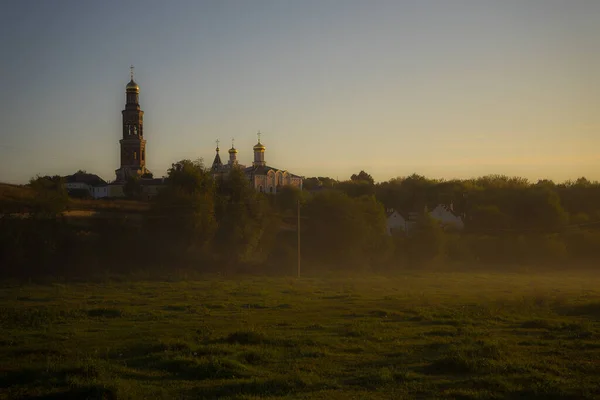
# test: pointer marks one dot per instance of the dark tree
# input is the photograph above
(362, 176)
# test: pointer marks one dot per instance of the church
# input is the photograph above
(262, 177)
(133, 144)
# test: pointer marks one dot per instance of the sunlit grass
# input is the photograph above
(444, 335)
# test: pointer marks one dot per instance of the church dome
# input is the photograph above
(133, 86)
(232, 150)
(259, 147)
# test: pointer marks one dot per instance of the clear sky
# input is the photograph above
(445, 88)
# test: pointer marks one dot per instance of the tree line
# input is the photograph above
(221, 224)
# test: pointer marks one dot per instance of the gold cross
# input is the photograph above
(232, 140)
(131, 73)
(217, 143)
(258, 136)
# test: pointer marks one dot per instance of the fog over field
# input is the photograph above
(416, 335)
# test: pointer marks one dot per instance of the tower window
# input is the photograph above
(135, 155)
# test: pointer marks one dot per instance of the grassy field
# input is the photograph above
(467, 336)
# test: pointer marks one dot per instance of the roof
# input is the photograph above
(447, 208)
(84, 177)
(390, 211)
(132, 85)
(217, 161)
(264, 169)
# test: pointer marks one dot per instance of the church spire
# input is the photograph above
(133, 144)
(259, 153)
(132, 86)
(232, 153)
(217, 164)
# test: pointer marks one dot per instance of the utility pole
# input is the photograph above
(298, 238)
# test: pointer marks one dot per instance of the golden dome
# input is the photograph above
(259, 147)
(232, 150)
(133, 86)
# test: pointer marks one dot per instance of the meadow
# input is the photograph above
(416, 335)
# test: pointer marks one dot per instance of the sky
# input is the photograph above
(442, 88)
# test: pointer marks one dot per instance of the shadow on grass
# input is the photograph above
(258, 338)
(43, 377)
(91, 392)
(51, 380)
(475, 357)
(203, 369)
(382, 377)
(582, 310)
(537, 324)
(263, 388)
(554, 331)
(105, 313)
(25, 377)
(247, 337)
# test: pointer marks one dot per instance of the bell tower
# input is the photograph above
(133, 144)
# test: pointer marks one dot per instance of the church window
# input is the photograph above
(260, 189)
(135, 155)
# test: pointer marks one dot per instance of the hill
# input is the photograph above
(20, 198)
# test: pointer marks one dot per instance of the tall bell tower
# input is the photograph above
(133, 144)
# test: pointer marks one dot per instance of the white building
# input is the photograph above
(396, 222)
(442, 213)
(446, 217)
(100, 192)
(263, 178)
(81, 183)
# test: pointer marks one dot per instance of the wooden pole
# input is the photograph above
(298, 238)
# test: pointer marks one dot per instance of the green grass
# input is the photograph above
(445, 335)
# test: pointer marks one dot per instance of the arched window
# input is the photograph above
(260, 188)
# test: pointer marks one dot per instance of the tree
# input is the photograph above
(311, 183)
(407, 193)
(51, 197)
(287, 198)
(345, 232)
(133, 187)
(334, 230)
(362, 176)
(357, 188)
(183, 214)
(378, 245)
(539, 208)
(314, 182)
(488, 219)
(426, 241)
(247, 226)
